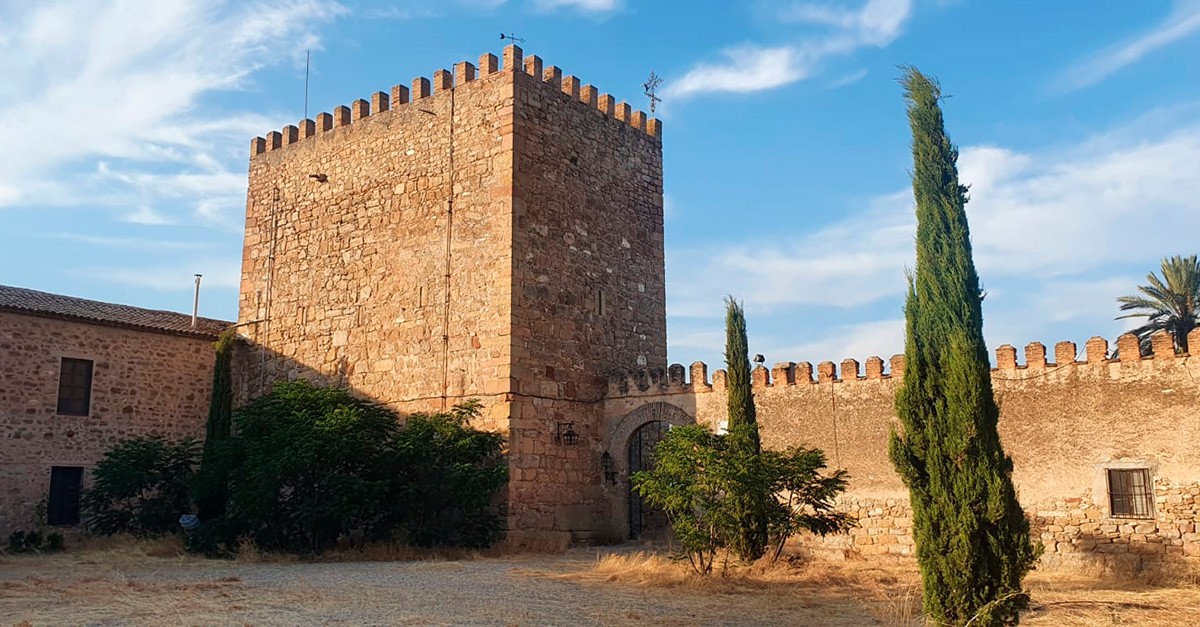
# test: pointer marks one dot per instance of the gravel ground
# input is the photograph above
(524, 590)
(143, 584)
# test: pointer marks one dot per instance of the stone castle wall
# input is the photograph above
(143, 383)
(1064, 423)
(355, 270)
(588, 290)
(495, 234)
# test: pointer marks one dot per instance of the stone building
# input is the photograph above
(76, 377)
(497, 234)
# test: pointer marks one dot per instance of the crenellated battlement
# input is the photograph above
(465, 72)
(679, 380)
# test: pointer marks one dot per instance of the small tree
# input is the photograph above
(805, 496)
(140, 486)
(690, 482)
(971, 536)
(697, 476)
(751, 542)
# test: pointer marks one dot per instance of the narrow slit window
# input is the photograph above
(1130, 493)
(601, 303)
(75, 387)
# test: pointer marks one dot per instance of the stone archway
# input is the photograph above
(633, 441)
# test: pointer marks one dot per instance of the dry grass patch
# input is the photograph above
(891, 594)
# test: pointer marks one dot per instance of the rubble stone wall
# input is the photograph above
(143, 383)
(1064, 423)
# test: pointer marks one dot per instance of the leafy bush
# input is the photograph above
(705, 482)
(34, 542)
(140, 487)
(307, 465)
(449, 475)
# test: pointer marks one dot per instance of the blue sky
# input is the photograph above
(125, 129)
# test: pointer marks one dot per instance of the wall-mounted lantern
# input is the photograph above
(564, 433)
(606, 463)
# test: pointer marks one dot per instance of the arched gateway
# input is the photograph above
(641, 430)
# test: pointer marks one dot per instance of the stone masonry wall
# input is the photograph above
(588, 290)
(1064, 423)
(142, 383)
(354, 270)
(546, 276)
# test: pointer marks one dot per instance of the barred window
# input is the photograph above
(75, 387)
(1130, 493)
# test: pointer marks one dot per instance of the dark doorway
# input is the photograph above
(644, 520)
(63, 506)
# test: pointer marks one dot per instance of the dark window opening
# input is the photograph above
(601, 303)
(63, 506)
(1130, 493)
(75, 387)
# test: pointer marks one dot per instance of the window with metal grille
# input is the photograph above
(62, 507)
(75, 387)
(1130, 493)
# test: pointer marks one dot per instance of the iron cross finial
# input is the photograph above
(650, 86)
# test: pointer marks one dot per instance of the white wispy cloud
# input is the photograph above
(882, 338)
(589, 6)
(1183, 21)
(750, 68)
(848, 79)
(119, 84)
(131, 243)
(877, 23)
(1057, 233)
(746, 69)
(219, 273)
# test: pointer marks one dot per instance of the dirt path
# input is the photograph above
(531, 590)
(130, 587)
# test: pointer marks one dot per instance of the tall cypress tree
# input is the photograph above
(751, 543)
(972, 538)
(210, 483)
(737, 366)
(220, 408)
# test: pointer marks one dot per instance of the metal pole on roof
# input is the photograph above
(196, 303)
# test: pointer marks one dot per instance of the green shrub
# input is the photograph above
(34, 542)
(140, 487)
(307, 465)
(705, 482)
(450, 473)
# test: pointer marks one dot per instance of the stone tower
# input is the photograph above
(495, 234)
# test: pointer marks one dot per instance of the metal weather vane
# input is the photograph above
(650, 86)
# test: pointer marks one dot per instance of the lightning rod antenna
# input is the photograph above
(307, 63)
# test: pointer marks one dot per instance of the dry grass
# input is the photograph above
(888, 594)
(1063, 595)
(153, 582)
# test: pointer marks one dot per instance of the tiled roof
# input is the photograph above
(42, 304)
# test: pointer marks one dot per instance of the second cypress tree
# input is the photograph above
(210, 484)
(751, 542)
(972, 539)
